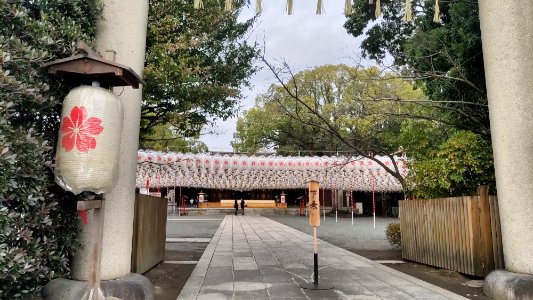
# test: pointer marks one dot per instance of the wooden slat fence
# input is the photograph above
(461, 234)
(149, 232)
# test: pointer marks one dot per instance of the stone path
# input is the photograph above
(253, 257)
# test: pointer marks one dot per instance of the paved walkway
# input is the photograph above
(253, 257)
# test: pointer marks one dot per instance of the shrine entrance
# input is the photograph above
(215, 181)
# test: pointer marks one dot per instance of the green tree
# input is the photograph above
(327, 110)
(445, 58)
(457, 167)
(355, 111)
(38, 225)
(196, 63)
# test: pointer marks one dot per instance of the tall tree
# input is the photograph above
(362, 112)
(327, 110)
(444, 57)
(196, 62)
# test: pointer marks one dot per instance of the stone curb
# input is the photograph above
(192, 286)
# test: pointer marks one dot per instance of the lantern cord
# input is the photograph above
(347, 7)
(258, 6)
(198, 4)
(120, 94)
(228, 5)
(290, 10)
(319, 7)
(436, 17)
(378, 8)
(408, 17)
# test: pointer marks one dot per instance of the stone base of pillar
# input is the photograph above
(500, 284)
(134, 287)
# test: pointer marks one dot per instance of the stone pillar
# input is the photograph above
(122, 29)
(507, 35)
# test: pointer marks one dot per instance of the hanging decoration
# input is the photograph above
(197, 4)
(436, 17)
(228, 5)
(238, 172)
(290, 7)
(408, 17)
(347, 7)
(88, 147)
(319, 7)
(378, 8)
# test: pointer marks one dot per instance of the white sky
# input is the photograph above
(304, 39)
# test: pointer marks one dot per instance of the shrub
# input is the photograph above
(38, 225)
(33, 249)
(394, 235)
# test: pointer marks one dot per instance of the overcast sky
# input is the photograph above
(304, 39)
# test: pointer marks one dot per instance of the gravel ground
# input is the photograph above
(361, 235)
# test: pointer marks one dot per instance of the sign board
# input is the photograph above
(314, 204)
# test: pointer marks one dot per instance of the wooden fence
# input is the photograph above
(149, 232)
(461, 234)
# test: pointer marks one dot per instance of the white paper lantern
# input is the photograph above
(89, 141)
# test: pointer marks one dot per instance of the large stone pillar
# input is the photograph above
(507, 35)
(122, 29)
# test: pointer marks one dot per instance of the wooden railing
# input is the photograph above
(461, 234)
(149, 232)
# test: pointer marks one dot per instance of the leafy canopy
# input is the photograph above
(328, 110)
(196, 63)
(445, 58)
(353, 111)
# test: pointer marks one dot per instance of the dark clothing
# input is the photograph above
(236, 206)
(242, 205)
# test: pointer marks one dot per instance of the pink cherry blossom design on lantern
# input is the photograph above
(80, 132)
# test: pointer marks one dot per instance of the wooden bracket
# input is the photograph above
(89, 204)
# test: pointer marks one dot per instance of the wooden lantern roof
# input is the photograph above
(88, 66)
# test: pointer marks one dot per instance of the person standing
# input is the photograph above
(236, 206)
(242, 206)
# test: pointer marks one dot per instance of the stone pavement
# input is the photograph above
(253, 257)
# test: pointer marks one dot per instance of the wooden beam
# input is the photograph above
(90, 204)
